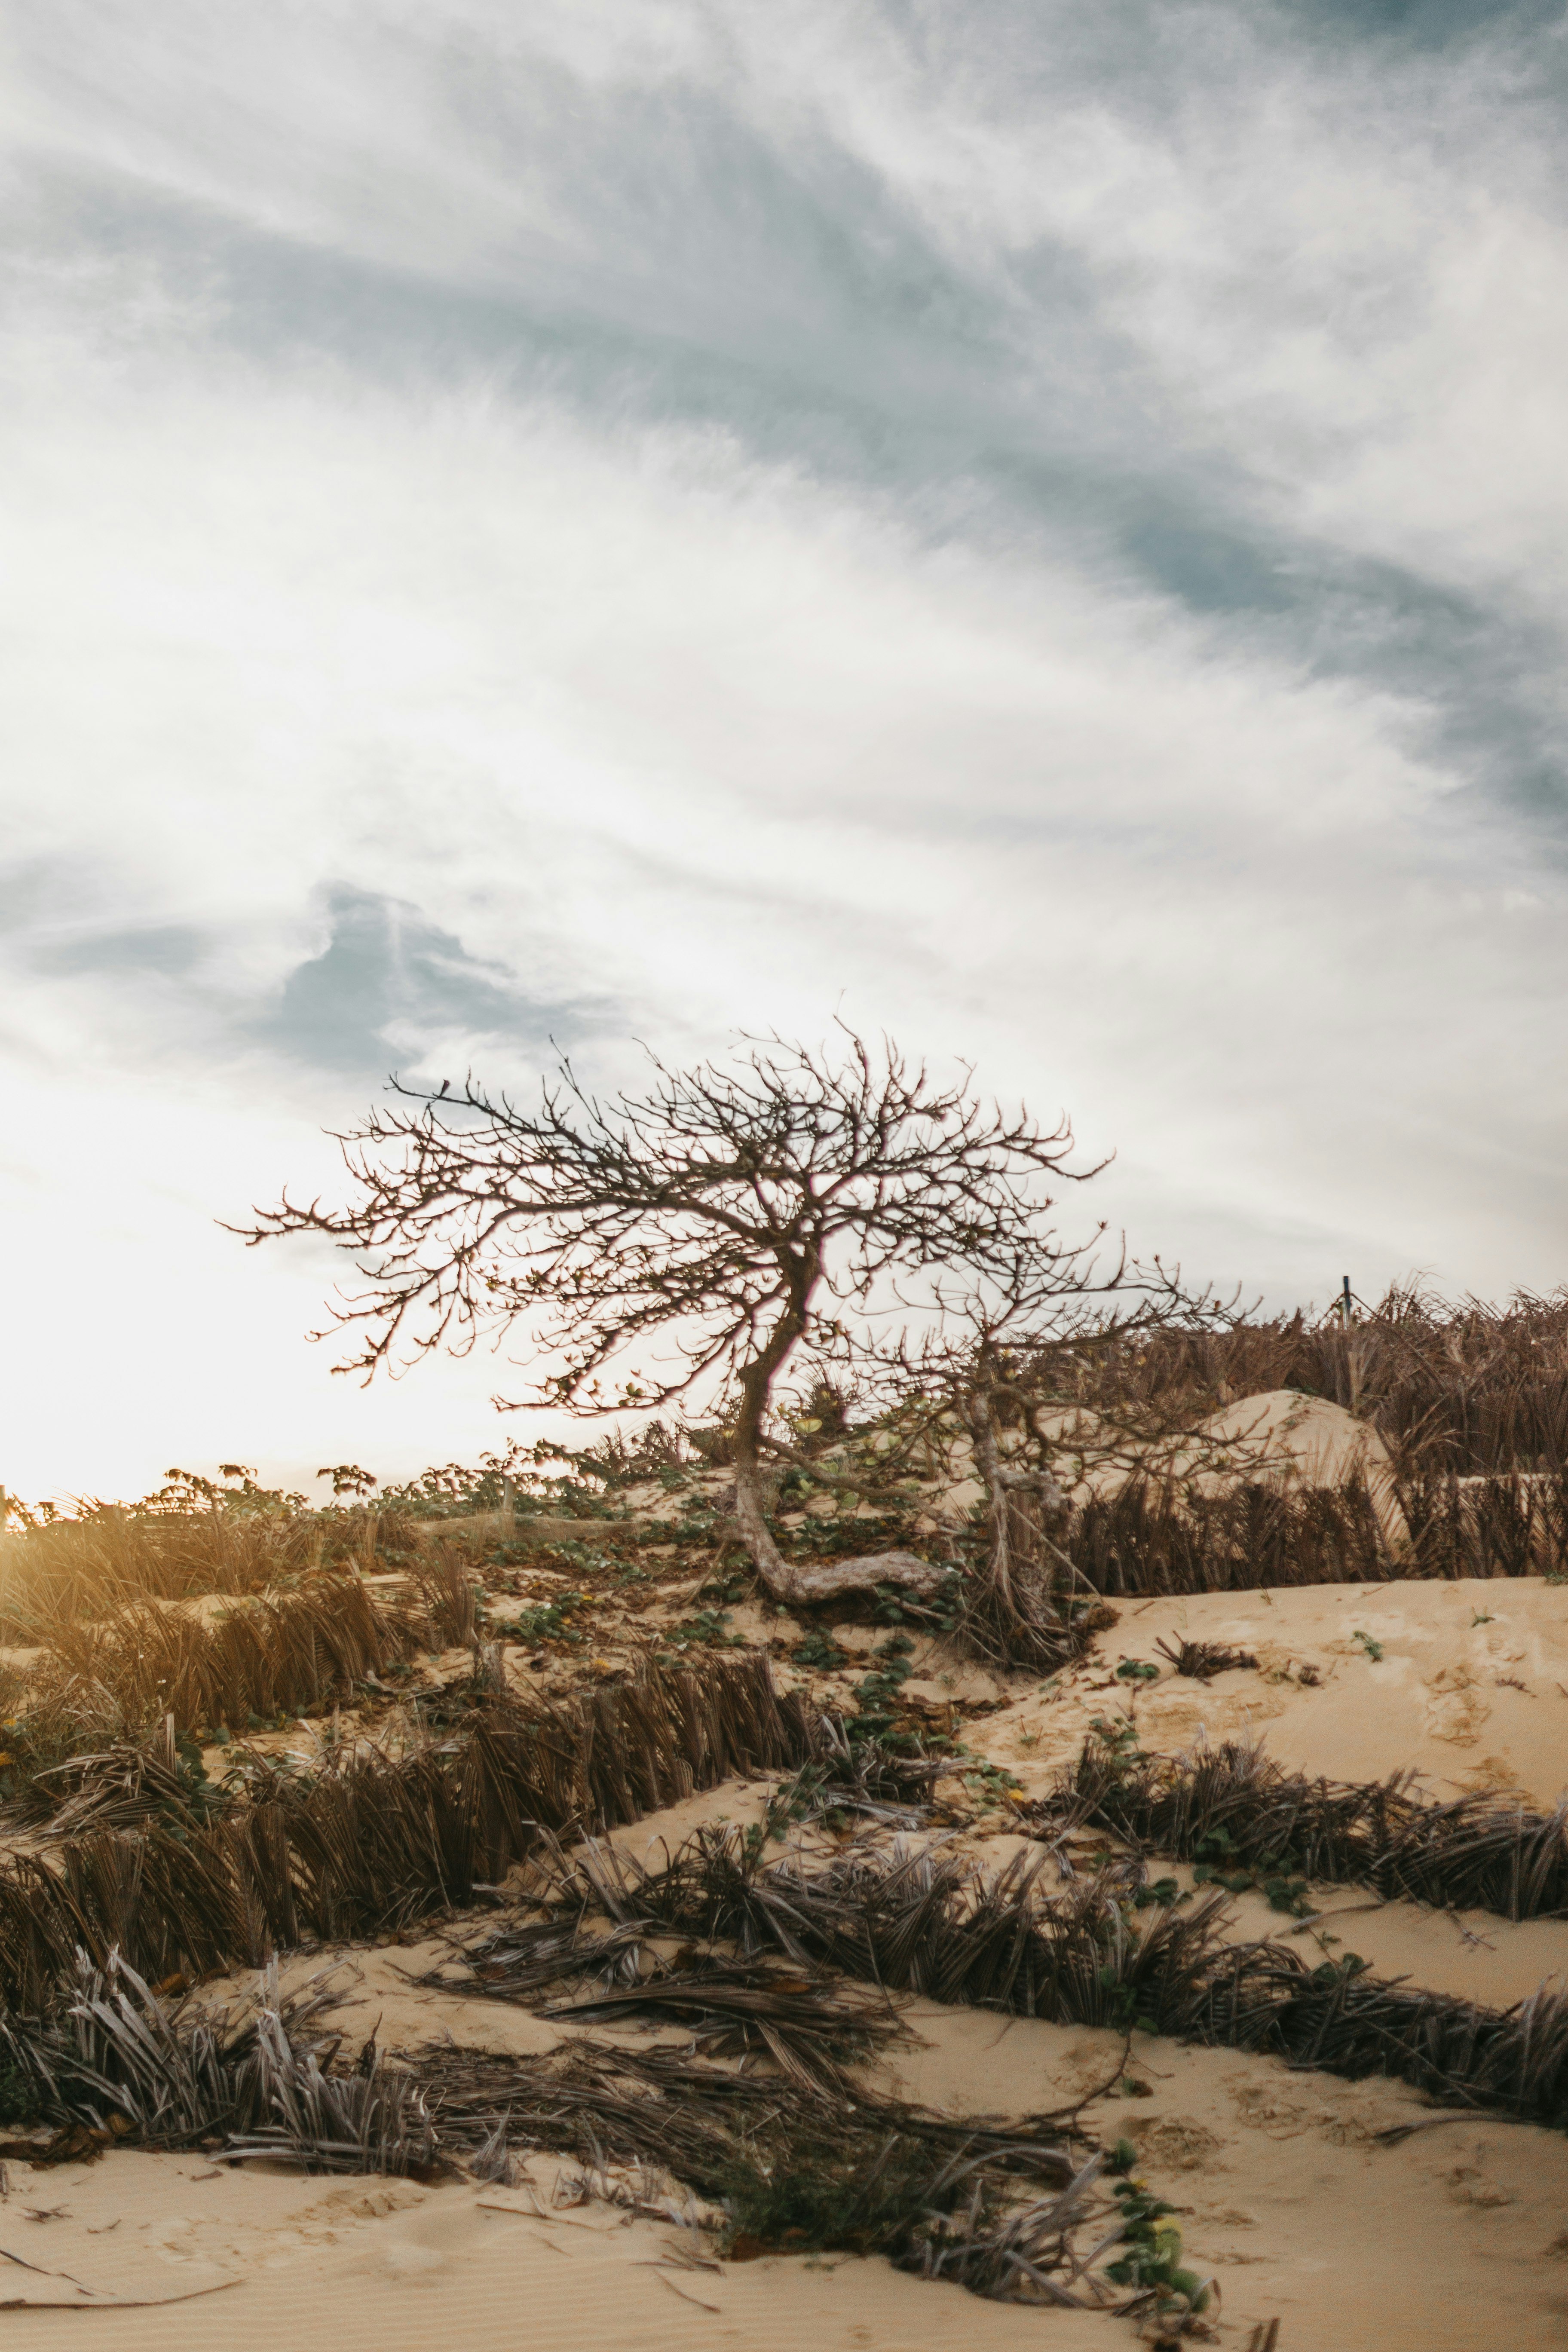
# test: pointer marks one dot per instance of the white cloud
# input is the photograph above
(617, 679)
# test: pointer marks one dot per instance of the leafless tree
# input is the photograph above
(727, 1216)
(1034, 1370)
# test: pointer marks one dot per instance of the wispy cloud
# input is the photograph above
(1041, 524)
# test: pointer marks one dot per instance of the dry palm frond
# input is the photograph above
(798, 2158)
(1233, 1803)
(451, 1597)
(1342, 2019)
(935, 1924)
(375, 1842)
(370, 1842)
(1203, 1660)
(125, 1785)
(113, 2055)
(517, 1960)
(254, 2078)
(1035, 2147)
(660, 2107)
(808, 2027)
(861, 1776)
(1026, 2253)
(272, 1654)
(797, 2169)
(918, 1919)
(373, 2120)
(117, 2055)
(796, 2162)
(1014, 1612)
(1148, 1539)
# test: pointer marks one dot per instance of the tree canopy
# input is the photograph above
(691, 1236)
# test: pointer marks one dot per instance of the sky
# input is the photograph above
(1039, 530)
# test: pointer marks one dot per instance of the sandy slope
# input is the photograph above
(1443, 2240)
(361, 2266)
(1442, 1698)
(1456, 2238)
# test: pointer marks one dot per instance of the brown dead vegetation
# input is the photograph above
(1470, 1389)
(372, 1841)
(260, 1658)
(1472, 1853)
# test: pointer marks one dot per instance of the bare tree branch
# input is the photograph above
(695, 1235)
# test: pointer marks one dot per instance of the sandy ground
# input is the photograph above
(1471, 1688)
(362, 2265)
(1456, 2238)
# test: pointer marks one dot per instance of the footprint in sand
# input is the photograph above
(1259, 2106)
(1176, 2144)
(1456, 1710)
(1468, 2185)
(1487, 1775)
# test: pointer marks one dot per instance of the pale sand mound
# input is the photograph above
(1278, 1439)
(1284, 1439)
(1471, 1705)
(1443, 1698)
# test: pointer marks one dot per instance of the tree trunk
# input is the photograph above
(1011, 1613)
(767, 1558)
(808, 1581)
(804, 1584)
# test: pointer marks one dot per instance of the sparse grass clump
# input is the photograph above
(238, 1668)
(369, 1842)
(1203, 1660)
(818, 2188)
(66, 1570)
(547, 1620)
(1250, 1821)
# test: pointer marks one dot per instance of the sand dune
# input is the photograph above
(1471, 1688)
(1455, 2237)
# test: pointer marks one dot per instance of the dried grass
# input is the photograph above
(110, 1556)
(264, 1656)
(1146, 1540)
(1483, 1853)
(1466, 1390)
(371, 1842)
(934, 1923)
(1472, 1401)
(173, 1547)
(448, 1596)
